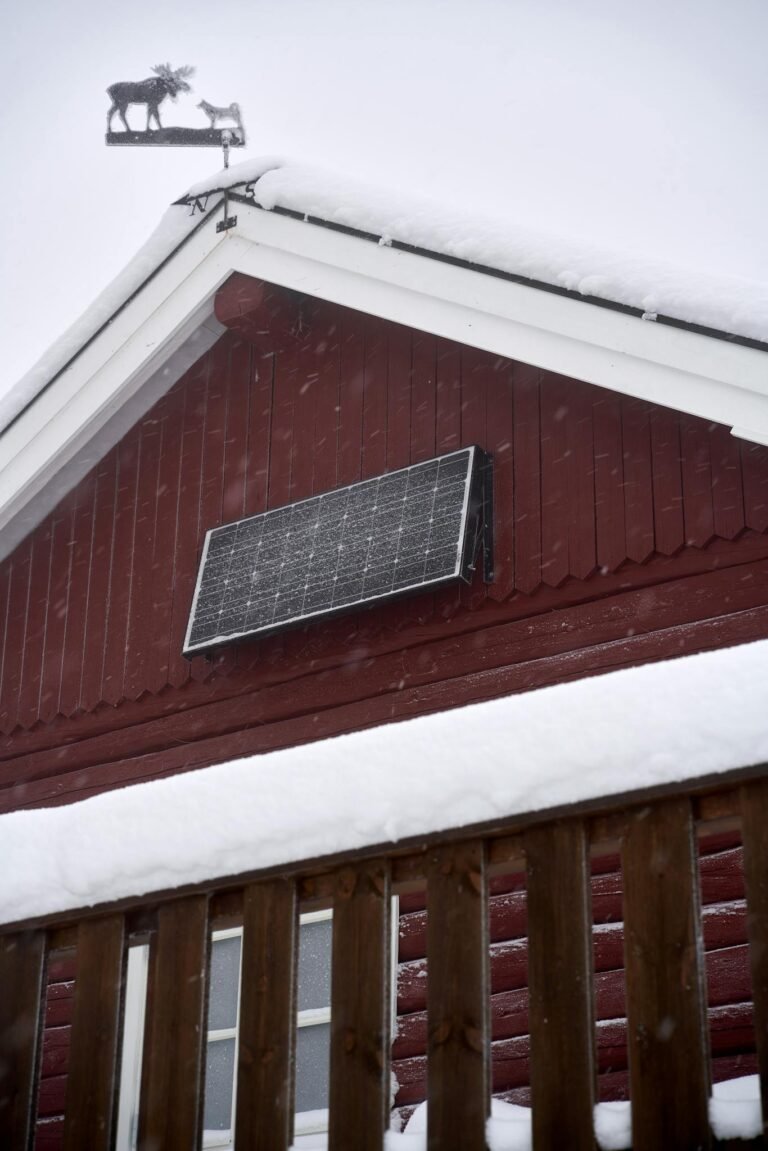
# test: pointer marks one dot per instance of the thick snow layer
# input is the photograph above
(734, 1111)
(728, 303)
(731, 304)
(629, 729)
(174, 227)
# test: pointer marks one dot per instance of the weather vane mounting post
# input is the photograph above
(151, 93)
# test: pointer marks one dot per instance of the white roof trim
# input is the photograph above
(130, 362)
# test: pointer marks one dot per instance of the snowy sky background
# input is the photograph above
(640, 127)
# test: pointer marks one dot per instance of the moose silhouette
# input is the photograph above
(167, 81)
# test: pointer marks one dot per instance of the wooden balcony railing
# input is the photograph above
(666, 997)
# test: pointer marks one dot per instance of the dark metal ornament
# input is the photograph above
(151, 93)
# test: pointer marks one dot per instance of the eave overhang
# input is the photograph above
(168, 323)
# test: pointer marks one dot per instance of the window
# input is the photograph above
(313, 1034)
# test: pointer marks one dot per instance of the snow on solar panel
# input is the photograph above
(413, 528)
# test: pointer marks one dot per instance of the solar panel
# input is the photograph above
(415, 528)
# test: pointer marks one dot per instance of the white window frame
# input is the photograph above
(225, 1138)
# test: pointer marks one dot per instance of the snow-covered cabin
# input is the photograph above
(283, 335)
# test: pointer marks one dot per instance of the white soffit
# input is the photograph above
(169, 323)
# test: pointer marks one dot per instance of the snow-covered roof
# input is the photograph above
(623, 731)
(727, 306)
(669, 335)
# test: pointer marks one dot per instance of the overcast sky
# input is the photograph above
(640, 126)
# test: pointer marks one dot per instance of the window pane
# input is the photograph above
(313, 1046)
(219, 1079)
(315, 964)
(225, 974)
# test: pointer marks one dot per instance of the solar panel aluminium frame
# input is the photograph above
(475, 534)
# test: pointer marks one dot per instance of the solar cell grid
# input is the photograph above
(408, 529)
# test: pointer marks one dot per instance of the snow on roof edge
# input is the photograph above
(625, 730)
(725, 307)
(174, 227)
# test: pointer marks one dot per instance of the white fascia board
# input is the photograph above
(170, 322)
(701, 375)
(133, 361)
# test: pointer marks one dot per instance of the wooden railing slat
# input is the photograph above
(22, 963)
(265, 1072)
(560, 980)
(666, 1001)
(91, 1080)
(170, 1112)
(360, 1008)
(754, 809)
(458, 1072)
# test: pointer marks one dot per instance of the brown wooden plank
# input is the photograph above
(697, 482)
(560, 987)
(14, 634)
(375, 398)
(236, 438)
(189, 535)
(555, 505)
(62, 550)
(638, 483)
(527, 478)
(582, 548)
(727, 487)
(259, 423)
(267, 1017)
(90, 1111)
(754, 813)
(667, 480)
(37, 614)
(754, 466)
(212, 483)
(144, 590)
(328, 361)
(99, 576)
(6, 656)
(423, 375)
(476, 371)
(360, 1009)
(116, 631)
(351, 394)
(399, 349)
(500, 443)
(306, 383)
(668, 1052)
(448, 396)
(22, 963)
(171, 417)
(609, 481)
(170, 1113)
(458, 1061)
(72, 661)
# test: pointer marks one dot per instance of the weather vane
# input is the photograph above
(151, 93)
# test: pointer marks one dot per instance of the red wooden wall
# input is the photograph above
(729, 990)
(624, 532)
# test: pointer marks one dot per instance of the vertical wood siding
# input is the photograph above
(95, 602)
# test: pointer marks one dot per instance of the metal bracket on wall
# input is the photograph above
(487, 528)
